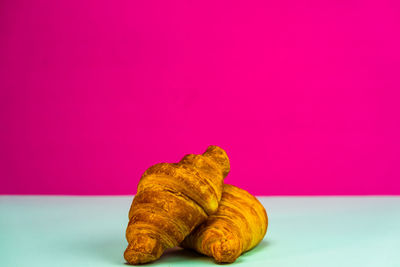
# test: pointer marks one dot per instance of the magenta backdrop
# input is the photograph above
(303, 95)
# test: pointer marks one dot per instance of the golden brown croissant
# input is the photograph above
(238, 226)
(171, 200)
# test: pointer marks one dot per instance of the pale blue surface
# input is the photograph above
(89, 231)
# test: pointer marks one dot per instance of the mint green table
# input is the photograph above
(303, 231)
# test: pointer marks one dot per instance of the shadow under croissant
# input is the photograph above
(260, 248)
(180, 256)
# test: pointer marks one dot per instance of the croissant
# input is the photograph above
(239, 225)
(171, 200)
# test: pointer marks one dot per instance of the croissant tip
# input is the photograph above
(214, 149)
(220, 157)
(143, 251)
(223, 252)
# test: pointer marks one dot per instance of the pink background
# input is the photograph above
(303, 95)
